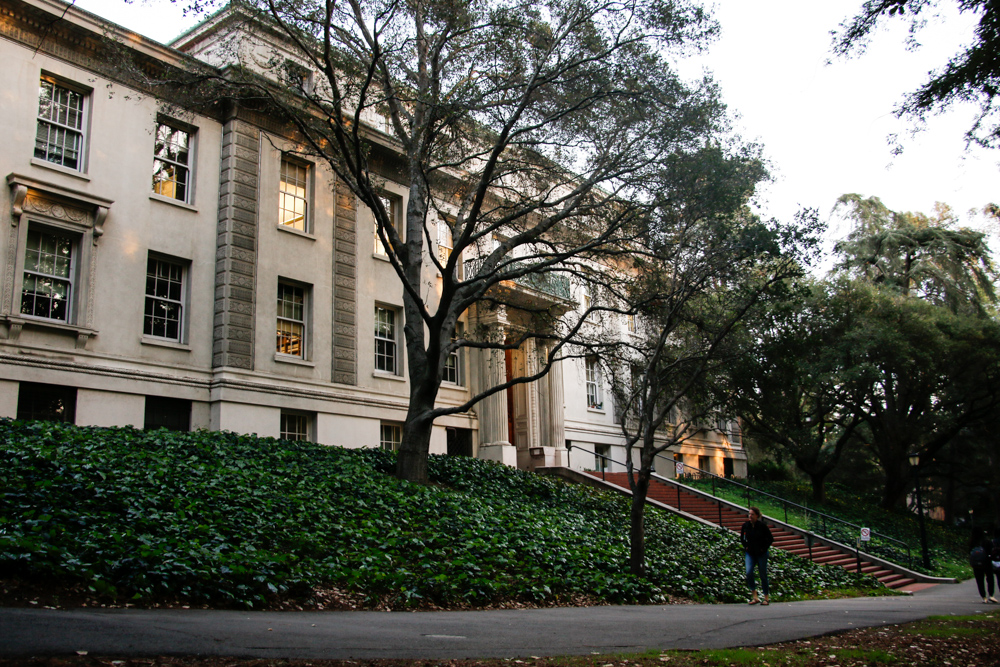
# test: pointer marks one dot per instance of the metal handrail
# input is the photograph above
(785, 503)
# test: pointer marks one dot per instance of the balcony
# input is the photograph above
(549, 286)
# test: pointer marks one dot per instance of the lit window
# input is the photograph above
(385, 340)
(47, 288)
(595, 400)
(60, 132)
(390, 436)
(445, 244)
(453, 364)
(293, 188)
(164, 313)
(390, 205)
(630, 322)
(171, 163)
(294, 426)
(588, 297)
(291, 339)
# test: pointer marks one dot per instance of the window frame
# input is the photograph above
(72, 280)
(82, 131)
(593, 383)
(306, 197)
(392, 204)
(455, 362)
(182, 304)
(304, 419)
(303, 322)
(391, 342)
(393, 429)
(188, 166)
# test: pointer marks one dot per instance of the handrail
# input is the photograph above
(749, 489)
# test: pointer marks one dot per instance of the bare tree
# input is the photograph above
(531, 131)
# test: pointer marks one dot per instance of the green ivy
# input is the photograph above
(222, 518)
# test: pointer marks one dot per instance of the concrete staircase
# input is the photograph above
(725, 514)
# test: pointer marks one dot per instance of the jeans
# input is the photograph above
(761, 563)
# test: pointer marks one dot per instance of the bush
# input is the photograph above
(227, 519)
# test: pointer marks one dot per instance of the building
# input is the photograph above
(164, 267)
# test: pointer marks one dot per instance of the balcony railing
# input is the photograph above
(550, 284)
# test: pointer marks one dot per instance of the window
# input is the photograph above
(46, 402)
(47, 288)
(445, 243)
(385, 340)
(588, 296)
(293, 195)
(390, 205)
(595, 399)
(294, 425)
(390, 436)
(59, 136)
(630, 322)
(602, 454)
(172, 163)
(173, 414)
(453, 364)
(291, 320)
(164, 312)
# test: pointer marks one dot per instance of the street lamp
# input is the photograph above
(915, 464)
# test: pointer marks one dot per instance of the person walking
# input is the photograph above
(756, 539)
(979, 558)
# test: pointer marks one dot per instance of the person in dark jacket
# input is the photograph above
(979, 558)
(756, 539)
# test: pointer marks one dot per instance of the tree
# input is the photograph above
(529, 132)
(704, 263)
(913, 254)
(790, 385)
(972, 75)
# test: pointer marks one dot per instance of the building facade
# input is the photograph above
(163, 267)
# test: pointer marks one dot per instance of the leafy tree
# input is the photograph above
(530, 131)
(973, 75)
(914, 254)
(704, 263)
(791, 386)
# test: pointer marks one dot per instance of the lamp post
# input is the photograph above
(915, 464)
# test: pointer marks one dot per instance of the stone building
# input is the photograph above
(189, 270)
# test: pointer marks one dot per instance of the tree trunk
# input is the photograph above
(818, 482)
(897, 483)
(637, 524)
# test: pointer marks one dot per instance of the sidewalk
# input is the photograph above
(443, 635)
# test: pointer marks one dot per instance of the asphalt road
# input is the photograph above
(442, 635)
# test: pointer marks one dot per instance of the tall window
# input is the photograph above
(602, 454)
(445, 243)
(390, 205)
(171, 163)
(588, 296)
(595, 398)
(164, 313)
(390, 436)
(60, 132)
(630, 322)
(385, 340)
(291, 320)
(453, 364)
(293, 189)
(294, 426)
(48, 276)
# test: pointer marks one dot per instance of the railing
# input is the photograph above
(822, 517)
(549, 283)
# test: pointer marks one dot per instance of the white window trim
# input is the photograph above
(592, 378)
(84, 131)
(304, 322)
(182, 326)
(457, 355)
(396, 429)
(192, 158)
(307, 198)
(309, 421)
(393, 204)
(395, 340)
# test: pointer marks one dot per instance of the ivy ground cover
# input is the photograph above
(232, 520)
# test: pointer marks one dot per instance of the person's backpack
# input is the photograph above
(977, 557)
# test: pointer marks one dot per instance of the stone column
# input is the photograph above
(557, 412)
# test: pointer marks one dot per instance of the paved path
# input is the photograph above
(441, 635)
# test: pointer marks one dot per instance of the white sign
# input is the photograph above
(679, 469)
(866, 534)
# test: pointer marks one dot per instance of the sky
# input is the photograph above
(824, 125)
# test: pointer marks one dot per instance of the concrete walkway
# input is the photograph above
(442, 635)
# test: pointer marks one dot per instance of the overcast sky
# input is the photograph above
(824, 127)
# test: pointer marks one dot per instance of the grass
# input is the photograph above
(230, 520)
